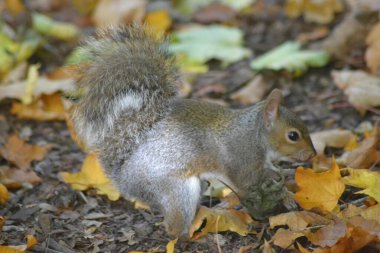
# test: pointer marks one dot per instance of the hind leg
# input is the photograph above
(180, 204)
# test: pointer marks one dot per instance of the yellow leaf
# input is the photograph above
(31, 84)
(319, 190)
(219, 220)
(31, 241)
(4, 194)
(267, 248)
(170, 246)
(369, 180)
(321, 11)
(372, 55)
(159, 20)
(285, 238)
(13, 249)
(92, 176)
(47, 107)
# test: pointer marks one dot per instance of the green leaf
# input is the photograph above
(188, 7)
(50, 27)
(290, 57)
(199, 44)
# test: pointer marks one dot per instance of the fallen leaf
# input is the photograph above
(4, 194)
(285, 238)
(362, 89)
(13, 178)
(170, 246)
(253, 92)
(198, 44)
(372, 213)
(43, 86)
(290, 57)
(91, 175)
(31, 83)
(52, 28)
(298, 221)
(187, 7)
(47, 107)
(365, 155)
(319, 190)
(217, 189)
(329, 235)
(372, 54)
(214, 13)
(228, 220)
(336, 138)
(302, 249)
(2, 221)
(118, 12)
(20, 153)
(316, 34)
(321, 11)
(159, 20)
(362, 178)
(267, 248)
(31, 241)
(15, 7)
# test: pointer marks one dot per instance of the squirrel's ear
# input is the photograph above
(271, 107)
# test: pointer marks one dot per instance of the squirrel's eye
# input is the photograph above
(293, 136)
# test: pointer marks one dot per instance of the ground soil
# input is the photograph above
(65, 220)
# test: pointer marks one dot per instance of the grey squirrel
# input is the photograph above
(157, 147)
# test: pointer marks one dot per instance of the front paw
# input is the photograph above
(288, 200)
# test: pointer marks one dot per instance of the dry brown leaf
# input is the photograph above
(2, 221)
(13, 178)
(253, 92)
(362, 89)
(321, 11)
(316, 34)
(118, 12)
(285, 238)
(31, 242)
(47, 107)
(366, 153)
(228, 220)
(298, 221)
(329, 235)
(319, 190)
(336, 138)
(20, 153)
(372, 54)
(215, 12)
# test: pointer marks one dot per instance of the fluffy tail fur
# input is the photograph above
(127, 83)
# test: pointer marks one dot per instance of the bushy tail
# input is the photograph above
(127, 85)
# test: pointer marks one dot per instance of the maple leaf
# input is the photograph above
(362, 178)
(20, 153)
(319, 190)
(219, 220)
(91, 175)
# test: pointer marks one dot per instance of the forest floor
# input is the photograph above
(65, 220)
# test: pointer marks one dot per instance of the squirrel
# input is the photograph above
(158, 148)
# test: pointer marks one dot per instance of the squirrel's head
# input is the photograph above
(288, 136)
